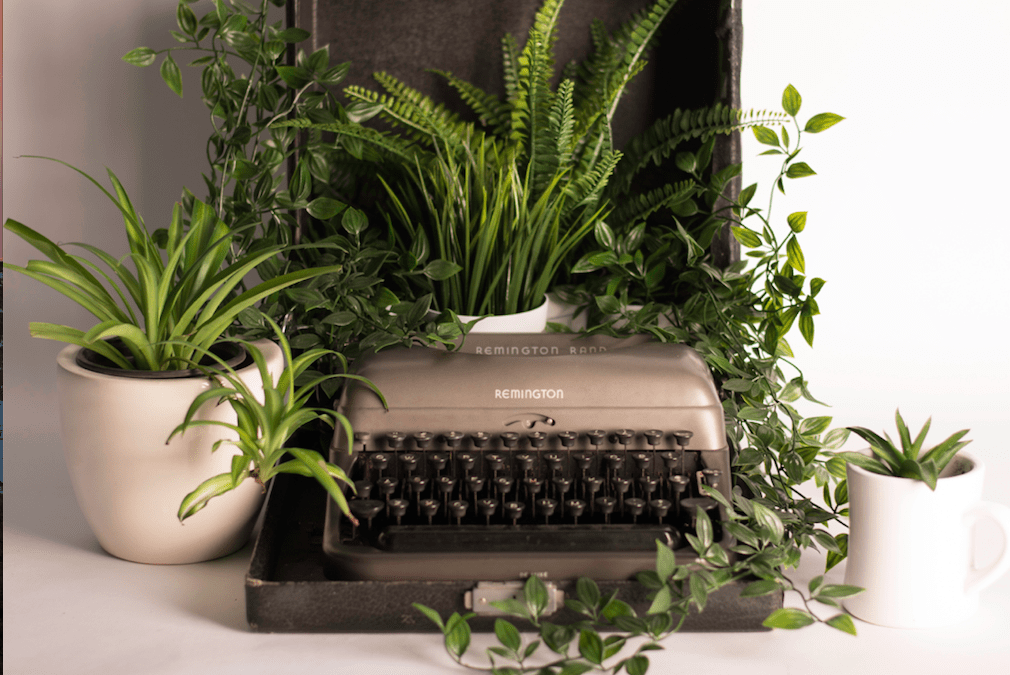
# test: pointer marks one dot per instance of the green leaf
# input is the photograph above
(842, 540)
(535, 593)
(431, 614)
(822, 121)
(440, 270)
(746, 194)
(295, 77)
(788, 618)
(839, 591)
(608, 304)
(637, 665)
(799, 170)
(835, 438)
(457, 635)
(814, 425)
(354, 221)
(575, 668)
(737, 384)
(766, 136)
(662, 601)
(795, 255)
(797, 221)
(507, 634)
(791, 101)
(666, 561)
(842, 622)
(588, 591)
(324, 208)
(745, 236)
(807, 327)
(604, 235)
(293, 35)
(207, 490)
(141, 56)
(591, 646)
(864, 462)
(171, 75)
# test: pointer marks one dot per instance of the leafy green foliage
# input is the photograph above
(507, 201)
(266, 420)
(183, 304)
(909, 461)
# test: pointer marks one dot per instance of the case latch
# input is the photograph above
(479, 599)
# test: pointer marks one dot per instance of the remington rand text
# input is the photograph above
(536, 350)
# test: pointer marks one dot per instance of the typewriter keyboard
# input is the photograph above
(536, 491)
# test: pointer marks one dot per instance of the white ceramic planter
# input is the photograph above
(531, 321)
(912, 549)
(129, 483)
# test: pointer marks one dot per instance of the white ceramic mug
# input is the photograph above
(912, 549)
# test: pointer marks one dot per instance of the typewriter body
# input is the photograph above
(555, 455)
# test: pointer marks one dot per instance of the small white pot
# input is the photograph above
(912, 549)
(530, 321)
(129, 483)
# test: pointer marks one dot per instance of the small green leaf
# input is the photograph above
(604, 235)
(608, 304)
(457, 635)
(171, 75)
(588, 591)
(295, 77)
(745, 236)
(591, 646)
(822, 121)
(766, 136)
(842, 622)
(431, 614)
(759, 588)
(535, 593)
(141, 56)
(797, 221)
(834, 558)
(840, 591)
(788, 618)
(799, 170)
(662, 601)
(737, 384)
(637, 665)
(746, 195)
(507, 634)
(791, 101)
(440, 269)
(293, 35)
(324, 208)
(794, 254)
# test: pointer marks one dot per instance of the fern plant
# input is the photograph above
(489, 212)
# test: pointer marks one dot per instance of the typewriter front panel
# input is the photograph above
(578, 478)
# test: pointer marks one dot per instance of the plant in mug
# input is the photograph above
(265, 423)
(183, 304)
(910, 461)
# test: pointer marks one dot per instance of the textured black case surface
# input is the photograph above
(286, 590)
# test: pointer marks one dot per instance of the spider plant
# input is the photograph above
(183, 305)
(266, 421)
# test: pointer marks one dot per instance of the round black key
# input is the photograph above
(624, 436)
(648, 485)
(510, 439)
(475, 484)
(379, 461)
(593, 484)
(643, 460)
(525, 461)
(547, 507)
(487, 507)
(408, 461)
(417, 484)
(561, 484)
(453, 439)
(615, 461)
(395, 439)
(504, 484)
(712, 477)
(398, 508)
(669, 459)
(446, 484)
(429, 507)
(437, 461)
(596, 436)
(575, 508)
(653, 437)
(634, 507)
(533, 485)
(621, 485)
(660, 507)
(387, 486)
(495, 462)
(514, 510)
(567, 438)
(422, 439)
(606, 506)
(363, 489)
(683, 437)
(537, 439)
(679, 483)
(480, 439)
(466, 461)
(554, 461)
(458, 509)
(583, 460)
(366, 509)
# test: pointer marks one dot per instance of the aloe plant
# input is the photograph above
(183, 305)
(266, 422)
(909, 461)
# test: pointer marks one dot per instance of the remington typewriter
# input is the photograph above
(548, 454)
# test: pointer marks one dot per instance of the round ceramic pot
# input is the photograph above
(912, 548)
(531, 321)
(129, 482)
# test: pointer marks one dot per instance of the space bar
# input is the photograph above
(521, 538)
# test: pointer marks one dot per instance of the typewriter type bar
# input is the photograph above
(587, 460)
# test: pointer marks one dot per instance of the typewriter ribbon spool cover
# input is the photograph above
(547, 454)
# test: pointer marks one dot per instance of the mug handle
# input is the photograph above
(980, 578)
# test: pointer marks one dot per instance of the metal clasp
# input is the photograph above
(479, 598)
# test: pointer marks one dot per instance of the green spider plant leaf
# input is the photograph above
(207, 490)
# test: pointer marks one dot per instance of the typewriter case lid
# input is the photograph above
(586, 383)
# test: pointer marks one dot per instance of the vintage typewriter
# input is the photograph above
(552, 454)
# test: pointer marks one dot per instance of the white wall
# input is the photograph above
(906, 217)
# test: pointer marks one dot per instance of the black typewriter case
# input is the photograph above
(287, 591)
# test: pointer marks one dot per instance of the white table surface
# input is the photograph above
(71, 608)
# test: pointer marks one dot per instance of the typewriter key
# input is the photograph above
(458, 509)
(621, 487)
(408, 461)
(466, 462)
(575, 508)
(537, 439)
(422, 439)
(453, 439)
(553, 461)
(363, 489)
(660, 507)
(634, 507)
(429, 507)
(514, 510)
(561, 486)
(510, 439)
(606, 506)
(525, 462)
(398, 508)
(648, 485)
(547, 507)
(379, 461)
(592, 485)
(503, 484)
(486, 508)
(437, 461)
(395, 439)
(495, 462)
(683, 437)
(624, 436)
(653, 437)
(480, 439)
(446, 485)
(365, 509)
(596, 436)
(567, 438)
(533, 486)
(712, 477)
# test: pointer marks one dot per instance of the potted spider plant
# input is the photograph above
(125, 383)
(911, 530)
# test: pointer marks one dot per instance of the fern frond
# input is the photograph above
(639, 207)
(510, 67)
(563, 123)
(386, 143)
(492, 112)
(588, 189)
(665, 135)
